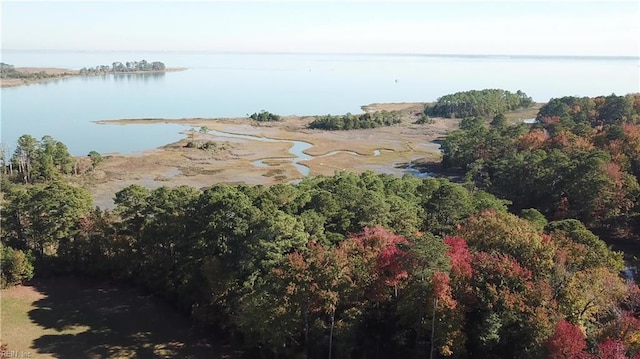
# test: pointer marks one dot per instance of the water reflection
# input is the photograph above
(56, 81)
(138, 77)
(89, 78)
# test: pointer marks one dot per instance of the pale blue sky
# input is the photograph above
(453, 27)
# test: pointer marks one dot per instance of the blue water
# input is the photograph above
(230, 85)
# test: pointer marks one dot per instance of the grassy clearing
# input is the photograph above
(74, 318)
(515, 117)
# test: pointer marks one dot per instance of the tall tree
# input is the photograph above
(46, 214)
(25, 155)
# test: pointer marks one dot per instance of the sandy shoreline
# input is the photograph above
(58, 74)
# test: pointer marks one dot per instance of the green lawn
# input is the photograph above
(74, 318)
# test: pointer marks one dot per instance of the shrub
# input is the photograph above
(17, 266)
(354, 122)
(424, 120)
(265, 116)
(96, 158)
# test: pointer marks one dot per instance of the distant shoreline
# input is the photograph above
(342, 53)
(60, 73)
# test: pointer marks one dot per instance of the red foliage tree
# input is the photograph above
(460, 257)
(625, 328)
(376, 252)
(442, 290)
(567, 341)
(612, 349)
(632, 133)
(533, 140)
(390, 262)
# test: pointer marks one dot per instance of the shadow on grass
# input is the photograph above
(103, 320)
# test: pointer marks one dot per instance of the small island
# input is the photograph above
(11, 76)
(127, 67)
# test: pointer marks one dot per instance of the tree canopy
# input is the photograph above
(39, 161)
(478, 103)
(369, 265)
(119, 67)
(576, 162)
(354, 122)
(264, 116)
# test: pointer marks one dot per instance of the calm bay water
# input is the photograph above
(230, 85)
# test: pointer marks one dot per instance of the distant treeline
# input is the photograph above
(582, 113)
(119, 67)
(353, 122)
(478, 103)
(264, 116)
(9, 72)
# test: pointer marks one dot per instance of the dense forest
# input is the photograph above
(580, 160)
(478, 103)
(372, 265)
(119, 67)
(354, 122)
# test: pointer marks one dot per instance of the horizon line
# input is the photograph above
(417, 54)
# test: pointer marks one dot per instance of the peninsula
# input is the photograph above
(11, 76)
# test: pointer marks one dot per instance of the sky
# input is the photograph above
(602, 28)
